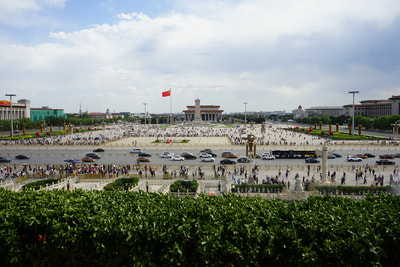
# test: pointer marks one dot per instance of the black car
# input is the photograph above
(312, 160)
(4, 159)
(92, 155)
(207, 150)
(98, 150)
(144, 154)
(188, 156)
(212, 154)
(227, 161)
(224, 154)
(369, 155)
(385, 162)
(243, 160)
(22, 157)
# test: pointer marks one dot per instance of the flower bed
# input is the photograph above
(169, 141)
(331, 134)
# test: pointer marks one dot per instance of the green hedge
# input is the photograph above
(98, 228)
(33, 135)
(42, 183)
(343, 189)
(258, 188)
(183, 186)
(122, 184)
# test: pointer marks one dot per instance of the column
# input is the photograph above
(325, 163)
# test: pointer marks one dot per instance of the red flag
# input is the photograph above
(166, 93)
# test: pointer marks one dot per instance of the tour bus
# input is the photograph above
(294, 154)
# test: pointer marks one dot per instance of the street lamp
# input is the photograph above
(245, 112)
(11, 113)
(145, 115)
(352, 127)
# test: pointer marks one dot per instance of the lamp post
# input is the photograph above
(11, 113)
(352, 126)
(245, 112)
(145, 115)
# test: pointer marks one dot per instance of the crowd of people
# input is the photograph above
(269, 136)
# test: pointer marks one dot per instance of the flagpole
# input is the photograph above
(170, 107)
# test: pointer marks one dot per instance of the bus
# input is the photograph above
(294, 154)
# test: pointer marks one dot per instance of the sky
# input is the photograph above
(274, 55)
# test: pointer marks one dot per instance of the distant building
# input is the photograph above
(372, 108)
(299, 113)
(117, 115)
(21, 109)
(101, 116)
(39, 114)
(206, 112)
(325, 111)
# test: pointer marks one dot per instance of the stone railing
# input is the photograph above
(164, 189)
(183, 194)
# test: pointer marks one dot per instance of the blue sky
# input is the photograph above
(275, 55)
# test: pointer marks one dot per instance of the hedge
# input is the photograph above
(99, 228)
(40, 184)
(183, 186)
(122, 184)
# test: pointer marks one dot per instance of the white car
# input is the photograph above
(268, 157)
(136, 150)
(353, 158)
(207, 159)
(167, 155)
(178, 158)
(204, 155)
(265, 154)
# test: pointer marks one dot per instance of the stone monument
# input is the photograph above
(298, 187)
(325, 163)
(197, 116)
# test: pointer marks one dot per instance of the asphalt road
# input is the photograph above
(57, 155)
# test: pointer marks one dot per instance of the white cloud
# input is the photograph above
(274, 54)
(26, 13)
(18, 5)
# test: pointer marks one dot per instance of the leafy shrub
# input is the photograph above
(183, 186)
(98, 228)
(122, 184)
(42, 183)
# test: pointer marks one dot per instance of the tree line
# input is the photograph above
(383, 123)
(75, 119)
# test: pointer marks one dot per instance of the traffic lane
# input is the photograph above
(126, 158)
(56, 155)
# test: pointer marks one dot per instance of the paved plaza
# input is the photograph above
(221, 138)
